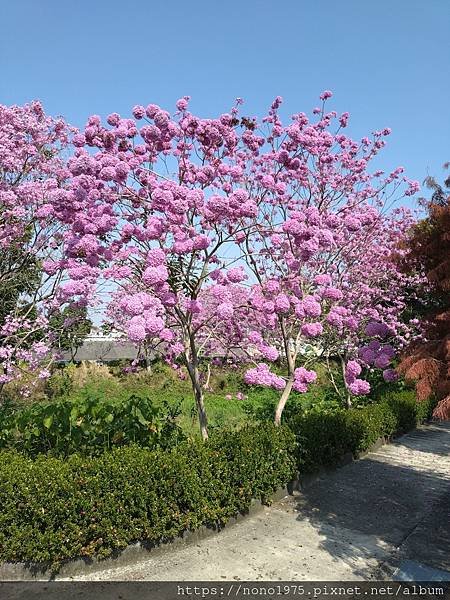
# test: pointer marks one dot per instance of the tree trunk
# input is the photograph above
(208, 378)
(194, 374)
(283, 399)
(199, 399)
(348, 401)
(203, 421)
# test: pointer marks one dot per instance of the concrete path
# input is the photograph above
(382, 515)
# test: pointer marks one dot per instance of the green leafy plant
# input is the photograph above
(89, 425)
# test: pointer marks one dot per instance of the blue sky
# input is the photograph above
(385, 60)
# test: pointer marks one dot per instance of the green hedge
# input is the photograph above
(53, 509)
(323, 438)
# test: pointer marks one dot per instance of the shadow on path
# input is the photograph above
(399, 495)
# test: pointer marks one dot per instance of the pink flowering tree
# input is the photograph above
(33, 195)
(147, 225)
(322, 253)
(226, 235)
(338, 299)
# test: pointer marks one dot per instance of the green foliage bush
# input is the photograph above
(89, 425)
(325, 436)
(55, 509)
(425, 409)
(88, 497)
(408, 411)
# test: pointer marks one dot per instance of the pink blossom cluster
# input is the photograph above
(262, 375)
(379, 356)
(303, 377)
(358, 387)
(238, 396)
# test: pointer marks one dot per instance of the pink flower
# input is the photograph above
(113, 119)
(352, 370)
(359, 387)
(367, 355)
(138, 112)
(194, 306)
(312, 329)
(136, 332)
(261, 375)
(374, 345)
(255, 337)
(44, 211)
(343, 119)
(334, 318)
(382, 361)
(156, 257)
(200, 242)
(269, 352)
(133, 305)
(108, 173)
(269, 307)
(155, 275)
(225, 310)
(176, 349)
(322, 279)
(50, 266)
(388, 351)
(154, 324)
(272, 286)
(303, 375)
(166, 335)
(351, 323)
(332, 293)
(299, 311)
(352, 223)
(311, 307)
(325, 95)
(182, 103)
(248, 209)
(390, 375)
(377, 329)
(282, 304)
(151, 110)
(236, 275)
(300, 386)
(78, 140)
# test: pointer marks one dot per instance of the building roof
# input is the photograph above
(102, 350)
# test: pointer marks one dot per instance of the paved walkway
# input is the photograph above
(386, 513)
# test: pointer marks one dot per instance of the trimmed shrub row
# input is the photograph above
(53, 510)
(323, 438)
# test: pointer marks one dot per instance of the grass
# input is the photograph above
(224, 406)
(230, 403)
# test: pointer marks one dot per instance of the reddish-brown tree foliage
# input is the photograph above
(428, 362)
